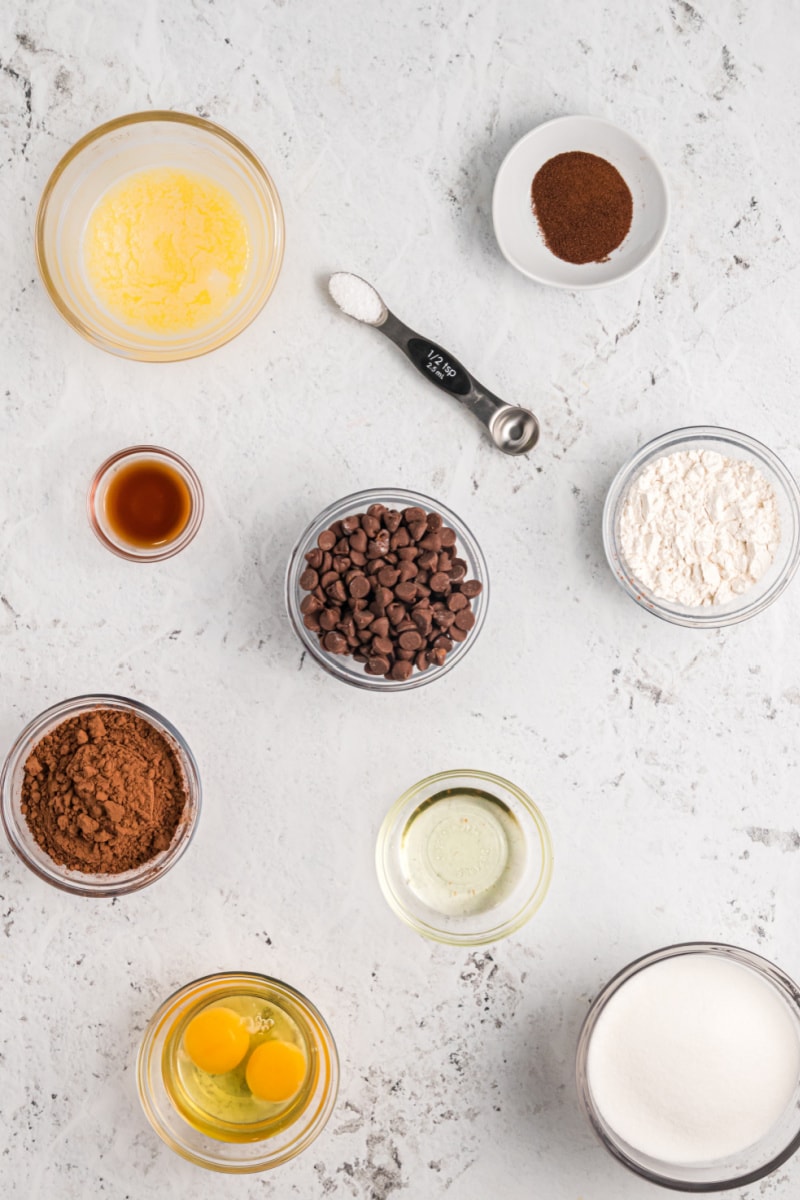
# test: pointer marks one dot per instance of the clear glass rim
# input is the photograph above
(190, 529)
(324, 1108)
(296, 564)
(385, 844)
(155, 353)
(676, 614)
(756, 962)
(78, 883)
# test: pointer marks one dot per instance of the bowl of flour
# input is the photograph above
(702, 527)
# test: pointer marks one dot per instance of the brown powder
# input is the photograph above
(583, 205)
(103, 792)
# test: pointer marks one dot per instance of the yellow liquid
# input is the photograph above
(223, 1106)
(166, 250)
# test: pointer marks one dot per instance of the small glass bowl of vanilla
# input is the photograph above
(237, 1072)
(159, 236)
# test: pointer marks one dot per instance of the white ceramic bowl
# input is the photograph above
(517, 230)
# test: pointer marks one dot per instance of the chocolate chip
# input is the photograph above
(448, 536)
(413, 516)
(388, 576)
(335, 643)
(351, 524)
(457, 601)
(370, 525)
(401, 669)
(410, 640)
(310, 604)
(314, 557)
(465, 619)
(359, 587)
(471, 588)
(309, 579)
(377, 665)
(329, 618)
(406, 591)
(440, 582)
(326, 540)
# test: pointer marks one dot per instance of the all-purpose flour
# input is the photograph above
(698, 528)
(694, 1059)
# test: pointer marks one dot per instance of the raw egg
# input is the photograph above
(275, 1070)
(216, 1040)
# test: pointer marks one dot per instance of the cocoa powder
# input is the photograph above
(103, 792)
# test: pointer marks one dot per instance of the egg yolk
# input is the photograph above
(216, 1040)
(275, 1070)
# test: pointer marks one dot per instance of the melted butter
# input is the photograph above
(166, 250)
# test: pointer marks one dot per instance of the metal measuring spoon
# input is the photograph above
(513, 430)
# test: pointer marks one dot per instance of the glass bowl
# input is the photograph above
(259, 1154)
(79, 882)
(137, 142)
(525, 889)
(97, 509)
(733, 445)
(739, 1170)
(343, 666)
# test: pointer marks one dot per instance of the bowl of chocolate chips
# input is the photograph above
(387, 589)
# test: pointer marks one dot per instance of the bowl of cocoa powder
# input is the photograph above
(387, 589)
(100, 795)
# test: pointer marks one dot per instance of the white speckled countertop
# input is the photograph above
(665, 760)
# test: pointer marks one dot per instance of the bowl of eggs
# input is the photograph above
(237, 1072)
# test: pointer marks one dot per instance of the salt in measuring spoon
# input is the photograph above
(513, 430)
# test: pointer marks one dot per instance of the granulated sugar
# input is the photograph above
(693, 1059)
(698, 528)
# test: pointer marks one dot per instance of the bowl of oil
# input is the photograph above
(159, 236)
(237, 1072)
(464, 857)
(145, 503)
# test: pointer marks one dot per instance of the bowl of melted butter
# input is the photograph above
(159, 236)
(238, 1072)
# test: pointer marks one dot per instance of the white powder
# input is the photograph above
(698, 528)
(356, 297)
(694, 1059)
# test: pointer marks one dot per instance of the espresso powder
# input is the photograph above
(583, 205)
(103, 792)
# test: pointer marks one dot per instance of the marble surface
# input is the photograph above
(665, 760)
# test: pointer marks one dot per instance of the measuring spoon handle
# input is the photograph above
(443, 370)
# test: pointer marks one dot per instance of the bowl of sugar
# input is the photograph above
(688, 1067)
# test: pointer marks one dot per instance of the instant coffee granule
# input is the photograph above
(583, 205)
(103, 792)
